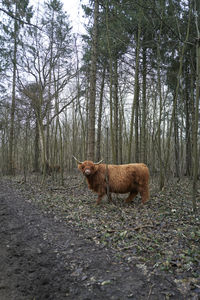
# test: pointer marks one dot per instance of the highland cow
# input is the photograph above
(129, 178)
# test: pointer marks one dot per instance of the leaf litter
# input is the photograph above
(161, 236)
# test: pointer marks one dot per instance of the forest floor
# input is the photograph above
(56, 244)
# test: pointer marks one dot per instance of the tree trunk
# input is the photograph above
(188, 127)
(25, 155)
(161, 105)
(98, 155)
(43, 146)
(38, 111)
(91, 128)
(111, 81)
(196, 123)
(116, 114)
(135, 105)
(36, 147)
(143, 131)
(176, 144)
(12, 117)
(120, 136)
(182, 51)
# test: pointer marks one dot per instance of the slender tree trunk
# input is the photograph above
(58, 161)
(43, 146)
(61, 153)
(91, 129)
(98, 155)
(49, 88)
(177, 92)
(83, 125)
(176, 144)
(135, 105)
(36, 147)
(38, 111)
(48, 134)
(123, 135)
(116, 114)
(12, 117)
(160, 157)
(153, 137)
(111, 110)
(143, 131)
(74, 131)
(196, 123)
(87, 121)
(3, 147)
(111, 81)
(120, 135)
(137, 153)
(25, 156)
(188, 127)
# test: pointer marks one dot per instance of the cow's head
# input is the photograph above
(87, 167)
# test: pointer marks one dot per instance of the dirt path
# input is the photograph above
(41, 257)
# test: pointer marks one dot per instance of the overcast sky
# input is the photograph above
(73, 9)
(75, 12)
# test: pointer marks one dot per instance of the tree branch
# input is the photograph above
(15, 18)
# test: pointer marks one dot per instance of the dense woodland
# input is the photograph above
(126, 91)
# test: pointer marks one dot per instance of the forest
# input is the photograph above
(125, 89)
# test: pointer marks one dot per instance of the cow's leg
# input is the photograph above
(131, 196)
(109, 197)
(145, 195)
(99, 198)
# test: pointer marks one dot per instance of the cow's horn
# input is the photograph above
(78, 161)
(98, 162)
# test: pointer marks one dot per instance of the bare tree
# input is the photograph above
(196, 122)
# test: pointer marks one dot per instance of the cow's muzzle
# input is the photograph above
(87, 172)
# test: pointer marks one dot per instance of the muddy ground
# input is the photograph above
(55, 244)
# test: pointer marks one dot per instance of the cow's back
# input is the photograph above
(127, 177)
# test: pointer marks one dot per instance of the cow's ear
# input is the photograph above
(79, 165)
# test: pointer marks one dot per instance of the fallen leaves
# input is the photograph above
(162, 235)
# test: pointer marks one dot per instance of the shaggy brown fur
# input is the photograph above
(129, 178)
